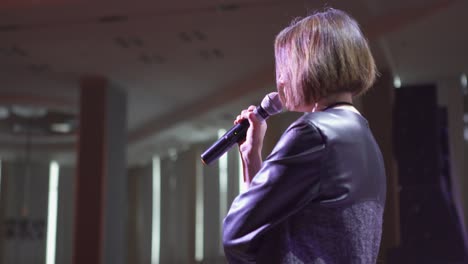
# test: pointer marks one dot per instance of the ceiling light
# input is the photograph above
(397, 82)
(61, 127)
(113, 19)
(172, 153)
(28, 111)
(228, 7)
(464, 84)
(10, 28)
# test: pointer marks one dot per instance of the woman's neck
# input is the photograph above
(332, 99)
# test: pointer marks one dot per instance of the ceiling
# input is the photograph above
(189, 66)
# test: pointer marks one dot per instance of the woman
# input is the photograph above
(319, 196)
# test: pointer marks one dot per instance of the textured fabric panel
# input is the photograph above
(328, 236)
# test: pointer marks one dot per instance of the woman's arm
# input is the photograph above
(251, 148)
(285, 183)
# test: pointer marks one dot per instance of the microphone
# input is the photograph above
(270, 105)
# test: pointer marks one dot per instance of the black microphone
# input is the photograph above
(270, 105)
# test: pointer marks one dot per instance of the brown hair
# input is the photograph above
(322, 54)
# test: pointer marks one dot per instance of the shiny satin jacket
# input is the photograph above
(318, 198)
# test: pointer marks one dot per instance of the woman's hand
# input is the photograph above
(251, 148)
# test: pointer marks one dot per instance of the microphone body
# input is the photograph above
(270, 105)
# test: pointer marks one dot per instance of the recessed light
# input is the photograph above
(61, 127)
(463, 80)
(228, 7)
(464, 84)
(4, 112)
(172, 153)
(28, 111)
(10, 28)
(112, 19)
(397, 82)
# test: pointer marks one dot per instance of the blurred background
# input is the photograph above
(106, 106)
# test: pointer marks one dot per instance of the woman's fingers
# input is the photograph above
(247, 113)
(244, 114)
(237, 120)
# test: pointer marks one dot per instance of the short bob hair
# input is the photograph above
(322, 54)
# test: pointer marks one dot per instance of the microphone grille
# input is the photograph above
(272, 103)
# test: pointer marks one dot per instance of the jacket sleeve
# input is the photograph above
(288, 180)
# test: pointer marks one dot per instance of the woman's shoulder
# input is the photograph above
(298, 138)
(303, 125)
(335, 119)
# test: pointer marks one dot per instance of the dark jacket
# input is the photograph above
(318, 198)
